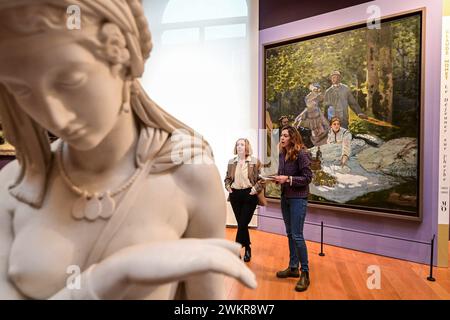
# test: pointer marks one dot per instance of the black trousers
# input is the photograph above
(244, 206)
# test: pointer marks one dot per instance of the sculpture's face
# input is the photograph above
(63, 87)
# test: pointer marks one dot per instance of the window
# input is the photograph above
(197, 10)
(194, 21)
(204, 68)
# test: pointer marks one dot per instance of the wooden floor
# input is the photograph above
(341, 274)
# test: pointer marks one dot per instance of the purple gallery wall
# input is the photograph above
(276, 12)
(270, 216)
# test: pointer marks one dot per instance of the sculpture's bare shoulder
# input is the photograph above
(202, 186)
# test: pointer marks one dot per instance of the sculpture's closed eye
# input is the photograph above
(72, 80)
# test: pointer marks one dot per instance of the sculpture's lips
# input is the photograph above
(74, 132)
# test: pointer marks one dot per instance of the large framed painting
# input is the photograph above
(355, 95)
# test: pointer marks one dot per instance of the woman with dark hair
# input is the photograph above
(243, 184)
(294, 175)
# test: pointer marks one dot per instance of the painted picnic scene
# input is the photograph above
(354, 94)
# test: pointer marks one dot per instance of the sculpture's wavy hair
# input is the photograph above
(118, 33)
(27, 20)
(106, 42)
(32, 19)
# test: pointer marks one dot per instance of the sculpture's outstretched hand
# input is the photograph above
(177, 260)
(164, 262)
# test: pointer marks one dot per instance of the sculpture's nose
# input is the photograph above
(57, 115)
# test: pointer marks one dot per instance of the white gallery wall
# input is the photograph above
(204, 69)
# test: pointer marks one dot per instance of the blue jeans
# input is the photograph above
(294, 214)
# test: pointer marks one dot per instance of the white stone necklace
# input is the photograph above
(92, 205)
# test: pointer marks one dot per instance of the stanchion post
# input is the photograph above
(430, 277)
(321, 240)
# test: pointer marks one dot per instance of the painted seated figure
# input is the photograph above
(340, 135)
(125, 196)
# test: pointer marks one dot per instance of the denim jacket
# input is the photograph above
(300, 172)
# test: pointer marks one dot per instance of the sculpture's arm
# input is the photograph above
(7, 289)
(207, 220)
(156, 264)
(198, 263)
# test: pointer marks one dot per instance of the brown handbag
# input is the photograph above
(262, 201)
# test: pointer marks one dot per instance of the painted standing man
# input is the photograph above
(340, 97)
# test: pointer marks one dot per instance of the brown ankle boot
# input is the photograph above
(288, 273)
(303, 283)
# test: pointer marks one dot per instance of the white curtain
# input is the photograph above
(204, 69)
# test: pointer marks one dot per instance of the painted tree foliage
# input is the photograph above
(381, 66)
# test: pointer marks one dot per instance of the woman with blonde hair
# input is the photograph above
(243, 183)
(294, 175)
(112, 204)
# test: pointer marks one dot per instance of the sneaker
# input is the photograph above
(288, 273)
